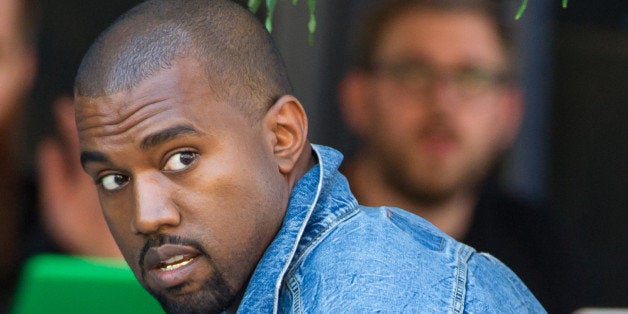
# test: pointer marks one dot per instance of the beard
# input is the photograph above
(215, 296)
(434, 184)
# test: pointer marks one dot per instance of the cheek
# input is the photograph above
(393, 116)
(119, 217)
(398, 127)
(229, 196)
(235, 213)
(482, 131)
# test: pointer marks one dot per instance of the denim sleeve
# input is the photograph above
(493, 288)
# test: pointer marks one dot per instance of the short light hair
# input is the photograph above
(370, 32)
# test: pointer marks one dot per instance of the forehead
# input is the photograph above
(437, 34)
(115, 108)
(181, 92)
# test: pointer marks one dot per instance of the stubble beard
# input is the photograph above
(215, 296)
(420, 189)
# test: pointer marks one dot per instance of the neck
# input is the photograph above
(453, 214)
(306, 160)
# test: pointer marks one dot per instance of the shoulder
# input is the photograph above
(378, 257)
(371, 261)
(385, 230)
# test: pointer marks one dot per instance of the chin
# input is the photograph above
(213, 297)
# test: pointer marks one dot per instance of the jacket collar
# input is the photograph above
(263, 290)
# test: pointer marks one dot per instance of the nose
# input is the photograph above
(442, 93)
(154, 208)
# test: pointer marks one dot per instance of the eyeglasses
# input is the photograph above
(418, 77)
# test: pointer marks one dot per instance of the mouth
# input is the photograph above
(171, 265)
(438, 144)
(438, 138)
(175, 262)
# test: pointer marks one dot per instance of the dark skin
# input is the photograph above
(172, 162)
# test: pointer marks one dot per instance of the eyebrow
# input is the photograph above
(162, 136)
(92, 156)
(148, 142)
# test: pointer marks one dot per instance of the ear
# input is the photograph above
(512, 112)
(352, 97)
(287, 122)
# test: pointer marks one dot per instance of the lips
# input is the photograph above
(438, 141)
(170, 265)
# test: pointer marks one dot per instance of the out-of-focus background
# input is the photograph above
(572, 150)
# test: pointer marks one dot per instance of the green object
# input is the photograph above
(254, 5)
(311, 25)
(522, 8)
(524, 4)
(68, 284)
(270, 10)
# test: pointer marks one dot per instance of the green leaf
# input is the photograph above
(522, 8)
(254, 5)
(294, 2)
(270, 6)
(523, 5)
(311, 24)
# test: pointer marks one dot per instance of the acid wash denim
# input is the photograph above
(334, 256)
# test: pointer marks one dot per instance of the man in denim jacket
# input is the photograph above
(216, 198)
(338, 256)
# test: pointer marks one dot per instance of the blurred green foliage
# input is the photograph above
(311, 4)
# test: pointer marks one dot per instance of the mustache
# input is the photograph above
(167, 239)
(439, 127)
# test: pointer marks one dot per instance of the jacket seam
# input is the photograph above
(462, 256)
(295, 291)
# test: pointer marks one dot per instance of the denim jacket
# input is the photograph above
(333, 255)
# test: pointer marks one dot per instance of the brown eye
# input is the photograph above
(180, 161)
(113, 182)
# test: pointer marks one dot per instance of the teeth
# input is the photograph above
(175, 262)
(173, 259)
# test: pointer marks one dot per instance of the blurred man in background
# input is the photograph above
(18, 64)
(60, 213)
(433, 98)
(70, 212)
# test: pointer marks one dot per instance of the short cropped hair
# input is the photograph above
(241, 61)
(370, 32)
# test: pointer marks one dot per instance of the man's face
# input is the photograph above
(16, 60)
(437, 112)
(187, 184)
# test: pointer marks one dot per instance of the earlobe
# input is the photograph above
(288, 124)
